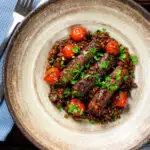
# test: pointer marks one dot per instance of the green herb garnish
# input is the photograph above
(92, 122)
(114, 119)
(93, 50)
(77, 93)
(62, 63)
(104, 65)
(98, 81)
(113, 87)
(132, 74)
(103, 30)
(125, 78)
(67, 92)
(100, 31)
(100, 54)
(123, 56)
(74, 109)
(82, 75)
(51, 61)
(65, 79)
(104, 85)
(87, 76)
(73, 82)
(134, 59)
(118, 74)
(76, 49)
(87, 65)
(96, 58)
(107, 78)
(60, 108)
(121, 49)
(85, 53)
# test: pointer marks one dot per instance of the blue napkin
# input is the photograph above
(6, 20)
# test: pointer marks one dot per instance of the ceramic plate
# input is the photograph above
(27, 93)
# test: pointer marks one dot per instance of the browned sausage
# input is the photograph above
(103, 96)
(79, 62)
(95, 71)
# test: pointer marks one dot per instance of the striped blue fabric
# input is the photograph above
(6, 20)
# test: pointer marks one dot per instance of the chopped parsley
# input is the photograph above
(67, 92)
(132, 74)
(87, 76)
(73, 82)
(104, 85)
(77, 93)
(100, 54)
(113, 87)
(125, 78)
(87, 65)
(82, 75)
(62, 63)
(74, 109)
(96, 58)
(114, 119)
(92, 122)
(134, 59)
(123, 56)
(104, 65)
(65, 79)
(100, 31)
(85, 53)
(118, 74)
(98, 81)
(76, 49)
(93, 50)
(121, 49)
(107, 78)
(60, 108)
(51, 61)
(103, 30)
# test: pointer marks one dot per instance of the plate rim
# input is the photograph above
(130, 3)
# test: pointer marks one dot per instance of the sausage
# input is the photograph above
(85, 84)
(78, 63)
(103, 96)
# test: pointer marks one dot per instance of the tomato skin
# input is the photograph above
(121, 99)
(112, 47)
(52, 75)
(78, 33)
(79, 104)
(67, 51)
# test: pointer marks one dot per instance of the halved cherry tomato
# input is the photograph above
(78, 33)
(67, 51)
(121, 99)
(76, 107)
(112, 47)
(52, 75)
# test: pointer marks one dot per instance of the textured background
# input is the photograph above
(16, 141)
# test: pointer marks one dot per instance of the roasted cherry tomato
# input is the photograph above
(121, 99)
(112, 47)
(76, 107)
(78, 33)
(67, 51)
(52, 75)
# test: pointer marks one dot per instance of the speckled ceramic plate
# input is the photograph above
(27, 93)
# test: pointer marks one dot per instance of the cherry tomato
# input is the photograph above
(121, 99)
(52, 75)
(76, 107)
(78, 33)
(112, 47)
(67, 51)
